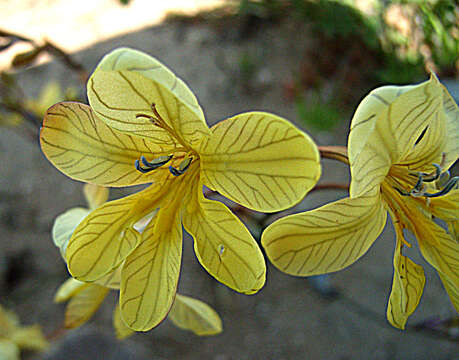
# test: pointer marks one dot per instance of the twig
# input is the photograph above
(338, 153)
(52, 49)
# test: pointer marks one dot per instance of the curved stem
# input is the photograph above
(330, 186)
(338, 153)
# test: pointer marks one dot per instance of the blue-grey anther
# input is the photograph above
(444, 183)
(183, 166)
(152, 165)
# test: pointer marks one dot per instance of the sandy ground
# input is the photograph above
(76, 25)
(287, 319)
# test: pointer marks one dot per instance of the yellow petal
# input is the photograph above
(69, 289)
(150, 274)
(451, 149)
(112, 280)
(259, 160)
(9, 350)
(106, 236)
(326, 239)
(407, 287)
(453, 227)
(386, 127)
(86, 149)
(452, 289)
(446, 207)
(442, 252)
(194, 315)
(30, 338)
(64, 226)
(95, 195)
(121, 329)
(223, 245)
(9, 321)
(84, 304)
(127, 82)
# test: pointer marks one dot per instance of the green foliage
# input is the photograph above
(337, 19)
(317, 114)
(441, 30)
(261, 9)
(400, 71)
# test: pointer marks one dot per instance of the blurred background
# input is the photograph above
(310, 61)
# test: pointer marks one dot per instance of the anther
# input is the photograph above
(450, 185)
(183, 166)
(150, 166)
(432, 177)
(443, 180)
(401, 192)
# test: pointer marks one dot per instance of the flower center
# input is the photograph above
(154, 164)
(443, 183)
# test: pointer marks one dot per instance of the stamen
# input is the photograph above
(432, 177)
(443, 180)
(153, 165)
(401, 192)
(183, 166)
(157, 121)
(419, 192)
(450, 185)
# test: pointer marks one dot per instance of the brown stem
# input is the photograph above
(330, 186)
(338, 153)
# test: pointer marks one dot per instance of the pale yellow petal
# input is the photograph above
(407, 287)
(84, 148)
(453, 227)
(446, 207)
(223, 245)
(442, 252)
(395, 124)
(64, 226)
(69, 289)
(452, 288)
(30, 338)
(150, 274)
(326, 239)
(451, 148)
(9, 350)
(112, 280)
(121, 329)
(95, 195)
(9, 321)
(192, 314)
(106, 236)
(260, 160)
(84, 304)
(128, 82)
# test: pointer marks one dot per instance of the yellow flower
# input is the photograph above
(85, 298)
(14, 337)
(401, 139)
(144, 125)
